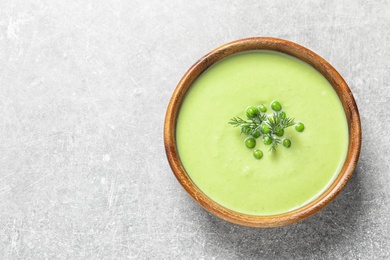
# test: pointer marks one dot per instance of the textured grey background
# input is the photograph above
(83, 90)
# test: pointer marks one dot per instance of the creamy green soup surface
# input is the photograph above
(213, 152)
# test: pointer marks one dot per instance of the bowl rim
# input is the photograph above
(301, 53)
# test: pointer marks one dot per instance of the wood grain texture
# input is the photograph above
(293, 49)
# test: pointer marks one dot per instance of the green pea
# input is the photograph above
(251, 112)
(246, 130)
(276, 106)
(258, 154)
(250, 142)
(286, 143)
(267, 140)
(300, 127)
(282, 115)
(265, 128)
(262, 108)
(279, 132)
(256, 134)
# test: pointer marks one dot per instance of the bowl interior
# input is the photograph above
(295, 50)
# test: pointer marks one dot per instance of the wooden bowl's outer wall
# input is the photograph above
(293, 49)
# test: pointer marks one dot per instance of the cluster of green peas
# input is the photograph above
(252, 112)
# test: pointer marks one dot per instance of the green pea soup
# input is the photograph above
(215, 157)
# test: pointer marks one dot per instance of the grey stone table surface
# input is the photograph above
(84, 87)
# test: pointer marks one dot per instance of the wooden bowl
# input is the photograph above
(295, 50)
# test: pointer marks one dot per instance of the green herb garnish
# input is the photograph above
(270, 127)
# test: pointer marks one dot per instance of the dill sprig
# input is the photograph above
(274, 144)
(287, 122)
(270, 127)
(250, 126)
